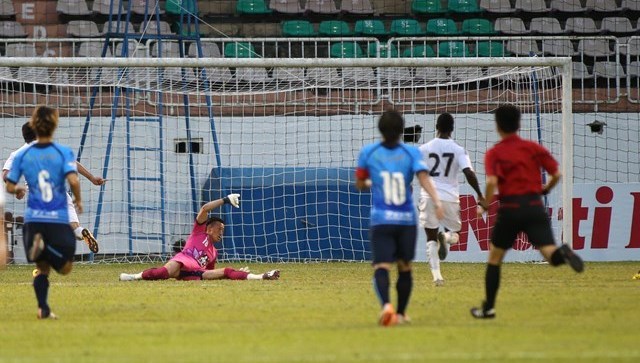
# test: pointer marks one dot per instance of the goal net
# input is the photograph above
(170, 134)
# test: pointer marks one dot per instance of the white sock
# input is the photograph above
(434, 260)
(454, 237)
(78, 233)
(254, 277)
(138, 276)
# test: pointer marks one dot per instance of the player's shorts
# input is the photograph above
(428, 218)
(392, 242)
(59, 241)
(524, 213)
(71, 209)
(188, 263)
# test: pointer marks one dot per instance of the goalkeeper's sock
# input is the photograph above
(254, 277)
(78, 233)
(232, 274)
(381, 285)
(160, 273)
(41, 287)
(492, 284)
(403, 286)
(557, 258)
(434, 260)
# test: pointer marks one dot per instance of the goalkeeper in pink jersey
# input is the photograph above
(197, 259)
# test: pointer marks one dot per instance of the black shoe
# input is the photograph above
(572, 259)
(482, 313)
(442, 246)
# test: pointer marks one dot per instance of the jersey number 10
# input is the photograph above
(394, 189)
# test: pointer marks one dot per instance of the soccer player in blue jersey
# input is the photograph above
(48, 237)
(388, 167)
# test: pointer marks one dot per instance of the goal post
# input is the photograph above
(285, 133)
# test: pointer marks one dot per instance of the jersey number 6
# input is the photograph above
(44, 185)
(395, 192)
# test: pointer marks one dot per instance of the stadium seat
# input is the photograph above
(297, 28)
(630, 5)
(346, 50)
(616, 25)
(406, 27)
(176, 7)
(288, 74)
(442, 27)
(73, 7)
(477, 27)
(431, 74)
(466, 74)
(151, 27)
(363, 7)
(523, 47)
(321, 7)
(558, 47)
(252, 7)
(120, 26)
(633, 69)
(547, 26)
(215, 75)
(595, 47)
(133, 50)
(11, 29)
(139, 7)
(567, 6)
(252, 75)
(385, 52)
(608, 70)
(580, 71)
(92, 49)
(20, 50)
(463, 6)
(580, 26)
(632, 48)
(497, 6)
(334, 28)
(102, 7)
(209, 50)
(169, 50)
(286, 6)
(510, 26)
(370, 28)
(217, 7)
(603, 6)
(430, 7)
(83, 29)
(490, 49)
(532, 6)
(239, 50)
(6, 8)
(453, 49)
(419, 51)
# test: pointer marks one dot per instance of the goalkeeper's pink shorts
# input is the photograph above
(188, 263)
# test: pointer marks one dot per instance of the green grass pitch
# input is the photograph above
(323, 312)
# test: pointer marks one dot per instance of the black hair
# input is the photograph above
(391, 126)
(213, 220)
(444, 124)
(27, 133)
(508, 118)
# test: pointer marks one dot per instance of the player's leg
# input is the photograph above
(405, 254)
(384, 250)
(81, 233)
(242, 274)
(41, 288)
(170, 270)
(430, 223)
(452, 223)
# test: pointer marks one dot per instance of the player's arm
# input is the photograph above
(362, 179)
(551, 166)
(552, 182)
(472, 179)
(489, 192)
(203, 214)
(5, 172)
(427, 185)
(96, 180)
(74, 184)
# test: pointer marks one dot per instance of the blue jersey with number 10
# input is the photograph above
(45, 168)
(391, 171)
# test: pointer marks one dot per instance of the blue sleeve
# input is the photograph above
(16, 169)
(418, 163)
(362, 159)
(69, 165)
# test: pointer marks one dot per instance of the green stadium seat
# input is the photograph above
(464, 6)
(384, 51)
(370, 28)
(176, 6)
(477, 27)
(427, 7)
(491, 49)
(346, 50)
(419, 51)
(297, 28)
(453, 49)
(334, 28)
(252, 7)
(406, 27)
(239, 50)
(442, 27)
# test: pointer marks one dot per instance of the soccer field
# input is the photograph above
(323, 312)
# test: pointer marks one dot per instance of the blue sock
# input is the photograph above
(404, 285)
(41, 286)
(381, 285)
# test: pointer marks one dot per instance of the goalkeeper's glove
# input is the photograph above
(233, 199)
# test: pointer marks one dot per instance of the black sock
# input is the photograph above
(381, 285)
(557, 258)
(404, 285)
(492, 283)
(41, 287)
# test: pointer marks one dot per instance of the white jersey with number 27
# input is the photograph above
(445, 158)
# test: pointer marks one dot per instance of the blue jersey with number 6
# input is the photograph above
(391, 171)
(45, 168)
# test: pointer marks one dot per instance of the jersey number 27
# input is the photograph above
(436, 157)
(394, 189)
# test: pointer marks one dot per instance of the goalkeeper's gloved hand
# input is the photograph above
(233, 199)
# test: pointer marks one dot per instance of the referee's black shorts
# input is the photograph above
(392, 242)
(522, 213)
(59, 241)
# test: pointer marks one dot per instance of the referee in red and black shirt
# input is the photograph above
(513, 166)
